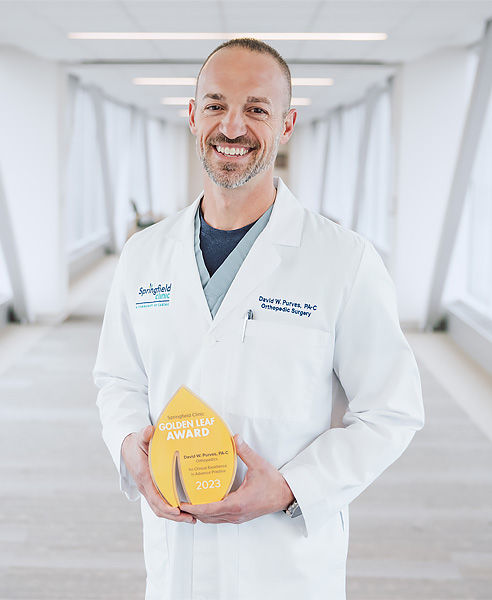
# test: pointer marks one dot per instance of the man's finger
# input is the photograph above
(161, 508)
(171, 513)
(245, 453)
(222, 510)
(212, 508)
(229, 506)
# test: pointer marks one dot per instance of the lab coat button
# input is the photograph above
(210, 340)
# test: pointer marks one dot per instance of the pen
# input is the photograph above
(247, 317)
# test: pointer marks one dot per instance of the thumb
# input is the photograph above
(245, 453)
(146, 434)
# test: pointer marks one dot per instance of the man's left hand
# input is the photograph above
(263, 491)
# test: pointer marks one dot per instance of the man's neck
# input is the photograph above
(232, 209)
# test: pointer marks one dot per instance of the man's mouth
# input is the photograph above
(232, 150)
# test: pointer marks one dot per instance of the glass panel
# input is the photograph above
(138, 175)
(5, 287)
(86, 214)
(118, 140)
(342, 161)
(479, 276)
(470, 276)
(376, 201)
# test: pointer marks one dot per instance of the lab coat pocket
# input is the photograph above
(274, 371)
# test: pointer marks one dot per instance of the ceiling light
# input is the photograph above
(300, 102)
(184, 101)
(164, 81)
(138, 35)
(192, 81)
(312, 81)
(176, 101)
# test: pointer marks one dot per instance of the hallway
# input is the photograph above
(422, 531)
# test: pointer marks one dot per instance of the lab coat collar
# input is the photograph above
(287, 220)
(284, 229)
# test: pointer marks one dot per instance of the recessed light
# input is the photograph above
(164, 81)
(176, 101)
(312, 81)
(184, 101)
(192, 81)
(138, 35)
(300, 102)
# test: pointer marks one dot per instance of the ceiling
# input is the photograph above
(415, 28)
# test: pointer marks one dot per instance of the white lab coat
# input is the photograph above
(278, 389)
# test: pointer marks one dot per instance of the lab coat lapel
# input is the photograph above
(284, 229)
(184, 261)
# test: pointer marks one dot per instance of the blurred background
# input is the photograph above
(393, 140)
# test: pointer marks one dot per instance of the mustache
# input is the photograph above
(242, 140)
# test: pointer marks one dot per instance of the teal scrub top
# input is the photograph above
(216, 287)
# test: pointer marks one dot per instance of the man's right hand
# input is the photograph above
(135, 453)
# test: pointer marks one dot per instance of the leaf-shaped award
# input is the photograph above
(191, 441)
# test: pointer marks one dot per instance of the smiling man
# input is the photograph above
(239, 117)
(276, 317)
(238, 135)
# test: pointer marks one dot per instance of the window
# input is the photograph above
(375, 204)
(132, 145)
(470, 275)
(86, 212)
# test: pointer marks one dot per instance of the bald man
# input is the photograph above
(274, 315)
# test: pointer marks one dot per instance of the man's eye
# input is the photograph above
(258, 111)
(213, 107)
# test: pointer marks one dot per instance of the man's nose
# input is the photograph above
(232, 124)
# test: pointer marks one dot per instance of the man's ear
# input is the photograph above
(289, 123)
(191, 116)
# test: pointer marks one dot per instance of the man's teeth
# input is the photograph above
(232, 151)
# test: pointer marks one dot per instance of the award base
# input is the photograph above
(192, 456)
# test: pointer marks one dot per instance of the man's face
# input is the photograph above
(238, 115)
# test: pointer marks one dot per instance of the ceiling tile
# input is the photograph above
(269, 15)
(184, 15)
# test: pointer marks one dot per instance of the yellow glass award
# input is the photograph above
(192, 456)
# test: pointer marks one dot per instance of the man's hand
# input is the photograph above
(263, 491)
(135, 452)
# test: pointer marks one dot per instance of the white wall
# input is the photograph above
(31, 112)
(432, 98)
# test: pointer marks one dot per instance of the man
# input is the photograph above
(324, 326)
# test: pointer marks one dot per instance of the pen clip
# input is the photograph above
(247, 317)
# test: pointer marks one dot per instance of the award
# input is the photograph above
(192, 456)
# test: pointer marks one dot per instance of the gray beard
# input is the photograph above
(226, 176)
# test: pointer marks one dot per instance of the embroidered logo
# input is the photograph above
(151, 296)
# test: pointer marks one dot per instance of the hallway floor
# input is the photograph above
(423, 531)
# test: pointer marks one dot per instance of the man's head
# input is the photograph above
(260, 47)
(241, 112)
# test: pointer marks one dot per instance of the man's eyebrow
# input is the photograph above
(260, 100)
(214, 96)
(249, 99)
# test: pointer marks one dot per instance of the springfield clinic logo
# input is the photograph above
(154, 296)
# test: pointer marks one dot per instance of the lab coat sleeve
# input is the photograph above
(120, 375)
(378, 372)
